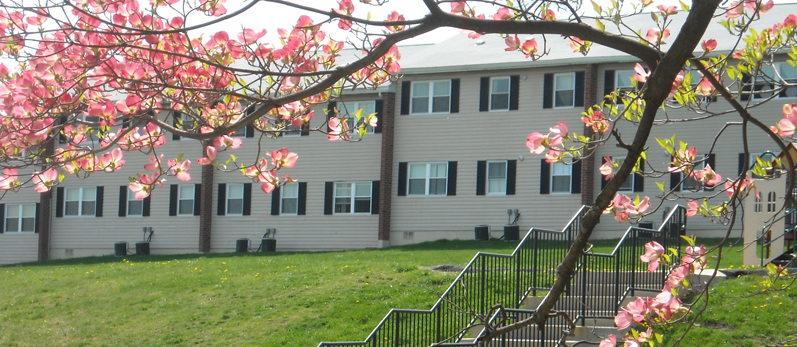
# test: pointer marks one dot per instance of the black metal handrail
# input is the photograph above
(489, 278)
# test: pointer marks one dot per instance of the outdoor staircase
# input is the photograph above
(601, 285)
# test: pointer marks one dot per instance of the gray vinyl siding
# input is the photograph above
(18, 247)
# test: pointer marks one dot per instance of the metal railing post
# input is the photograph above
(483, 286)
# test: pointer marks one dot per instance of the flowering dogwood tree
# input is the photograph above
(111, 77)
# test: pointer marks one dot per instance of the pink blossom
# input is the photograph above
(554, 154)
(693, 208)
(536, 142)
(512, 43)
(623, 320)
(210, 156)
(641, 74)
(791, 21)
(10, 179)
(229, 142)
(656, 35)
(607, 169)
(735, 10)
(576, 44)
(337, 130)
(652, 255)
(395, 17)
(112, 160)
(457, 6)
(558, 134)
(154, 163)
(610, 341)
(143, 185)
(502, 14)
(676, 277)
(282, 158)
(667, 10)
(529, 48)
(595, 120)
(708, 177)
(683, 160)
(708, 45)
(45, 180)
(269, 179)
(180, 170)
(695, 257)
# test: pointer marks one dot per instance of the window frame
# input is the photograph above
(777, 73)
(283, 198)
(186, 118)
(631, 178)
(427, 178)
(430, 95)
(228, 198)
(700, 166)
(352, 197)
(508, 94)
(556, 89)
(349, 115)
(487, 177)
(180, 200)
(80, 201)
(617, 81)
(131, 198)
(20, 218)
(569, 167)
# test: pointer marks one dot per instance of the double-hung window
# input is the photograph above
(428, 178)
(564, 89)
(80, 201)
(628, 184)
(20, 218)
(290, 199)
(134, 207)
(235, 199)
(764, 89)
(431, 97)
(496, 177)
(623, 81)
(561, 175)
(367, 107)
(352, 197)
(691, 183)
(185, 200)
(499, 93)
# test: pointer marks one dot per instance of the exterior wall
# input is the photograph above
(16, 247)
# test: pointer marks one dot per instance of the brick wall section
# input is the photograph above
(205, 207)
(588, 164)
(386, 169)
(45, 209)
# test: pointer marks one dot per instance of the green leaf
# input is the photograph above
(654, 16)
(180, 157)
(600, 25)
(661, 186)
(684, 6)
(658, 337)
(596, 7)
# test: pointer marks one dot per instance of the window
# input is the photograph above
(235, 199)
(428, 178)
(787, 72)
(691, 182)
(771, 202)
(499, 94)
(358, 192)
(290, 130)
(560, 177)
(496, 177)
(368, 107)
(628, 184)
(290, 198)
(80, 201)
(757, 206)
(564, 90)
(431, 97)
(624, 81)
(185, 200)
(187, 123)
(134, 207)
(20, 218)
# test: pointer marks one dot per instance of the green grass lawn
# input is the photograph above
(284, 299)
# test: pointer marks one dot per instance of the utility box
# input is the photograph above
(482, 232)
(120, 249)
(242, 245)
(142, 248)
(268, 245)
(511, 232)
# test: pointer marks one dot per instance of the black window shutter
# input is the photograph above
(579, 93)
(379, 105)
(484, 94)
(511, 174)
(249, 131)
(675, 180)
(608, 83)
(711, 160)
(481, 177)
(545, 177)
(455, 95)
(604, 181)
(275, 202)
(35, 221)
(405, 98)
(3, 217)
(402, 179)
(61, 137)
(173, 200)
(331, 106)
(329, 188)
(221, 205)
(145, 209)
(99, 201)
(514, 92)
(547, 91)
(59, 201)
(302, 208)
(247, 199)
(305, 130)
(745, 88)
(375, 197)
(452, 178)
(197, 199)
(174, 122)
(741, 163)
(575, 178)
(639, 180)
(122, 201)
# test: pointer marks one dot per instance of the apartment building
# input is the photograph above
(448, 154)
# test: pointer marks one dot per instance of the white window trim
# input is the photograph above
(19, 218)
(778, 74)
(80, 202)
(570, 167)
(427, 178)
(228, 198)
(186, 118)
(430, 96)
(357, 105)
(282, 200)
(193, 195)
(509, 94)
(352, 196)
(701, 165)
(487, 177)
(778, 65)
(131, 196)
(555, 90)
(631, 177)
(617, 78)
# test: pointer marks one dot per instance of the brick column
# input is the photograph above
(205, 207)
(45, 209)
(386, 167)
(588, 164)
